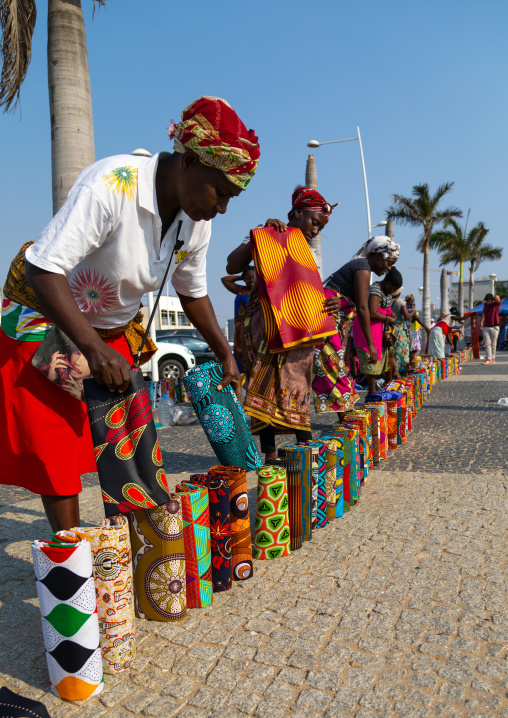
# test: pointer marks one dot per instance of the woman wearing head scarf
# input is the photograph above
(278, 392)
(347, 292)
(109, 244)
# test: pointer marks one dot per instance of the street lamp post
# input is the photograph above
(315, 143)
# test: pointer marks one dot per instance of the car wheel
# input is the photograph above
(171, 369)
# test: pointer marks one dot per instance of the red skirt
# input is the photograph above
(45, 441)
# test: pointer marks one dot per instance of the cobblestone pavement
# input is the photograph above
(398, 609)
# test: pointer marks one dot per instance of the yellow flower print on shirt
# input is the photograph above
(123, 181)
(181, 254)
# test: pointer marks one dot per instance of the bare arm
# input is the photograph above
(239, 259)
(362, 283)
(54, 295)
(230, 282)
(405, 313)
(200, 313)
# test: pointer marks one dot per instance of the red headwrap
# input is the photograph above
(310, 200)
(212, 129)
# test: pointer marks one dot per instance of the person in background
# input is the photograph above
(415, 345)
(440, 335)
(380, 302)
(401, 332)
(347, 292)
(248, 276)
(111, 242)
(279, 384)
(489, 324)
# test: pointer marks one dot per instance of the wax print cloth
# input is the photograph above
(198, 550)
(272, 537)
(70, 626)
(241, 542)
(363, 412)
(126, 447)
(220, 529)
(334, 478)
(295, 498)
(359, 422)
(382, 414)
(278, 388)
(158, 554)
(290, 289)
(375, 420)
(319, 449)
(348, 464)
(392, 423)
(314, 491)
(333, 386)
(221, 417)
(114, 588)
(302, 454)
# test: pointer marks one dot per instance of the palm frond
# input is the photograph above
(17, 22)
(441, 191)
(442, 239)
(447, 214)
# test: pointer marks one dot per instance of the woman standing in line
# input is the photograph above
(279, 384)
(347, 292)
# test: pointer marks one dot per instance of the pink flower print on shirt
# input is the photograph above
(93, 294)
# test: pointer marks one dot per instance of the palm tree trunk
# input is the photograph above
(471, 286)
(70, 100)
(461, 291)
(445, 305)
(311, 181)
(426, 286)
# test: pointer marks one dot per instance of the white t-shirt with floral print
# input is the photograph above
(106, 239)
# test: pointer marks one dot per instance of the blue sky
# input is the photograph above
(426, 83)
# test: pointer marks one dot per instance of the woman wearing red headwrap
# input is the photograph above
(109, 244)
(282, 404)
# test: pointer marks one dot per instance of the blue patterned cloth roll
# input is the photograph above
(221, 417)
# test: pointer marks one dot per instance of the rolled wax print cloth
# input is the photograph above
(334, 478)
(290, 289)
(382, 413)
(319, 447)
(360, 423)
(112, 571)
(158, 556)
(70, 625)
(295, 499)
(374, 413)
(241, 542)
(198, 548)
(347, 465)
(221, 417)
(220, 529)
(302, 454)
(184, 397)
(314, 481)
(368, 428)
(272, 538)
(392, 423)
(126, 447)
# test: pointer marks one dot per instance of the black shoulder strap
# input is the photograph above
(178, 245)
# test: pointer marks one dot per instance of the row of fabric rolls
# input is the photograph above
(92, 581)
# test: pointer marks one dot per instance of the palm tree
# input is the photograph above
(452, 243)
(480, 252)
(70, 101)
(422, 211)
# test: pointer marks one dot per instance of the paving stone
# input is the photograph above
(314, 700)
